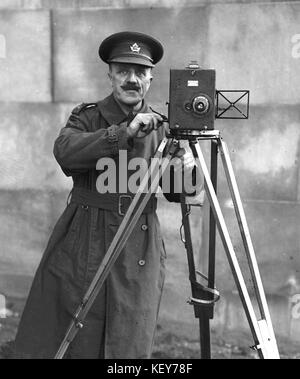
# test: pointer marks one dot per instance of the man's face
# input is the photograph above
(130, 82)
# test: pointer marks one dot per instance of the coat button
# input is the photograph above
(144, 227)
(142, 262)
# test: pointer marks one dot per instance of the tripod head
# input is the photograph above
(195, 103)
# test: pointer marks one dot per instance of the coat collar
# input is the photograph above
(112, 113)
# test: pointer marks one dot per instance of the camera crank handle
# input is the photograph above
(165, 119)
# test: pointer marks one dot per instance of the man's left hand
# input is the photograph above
(185, 161)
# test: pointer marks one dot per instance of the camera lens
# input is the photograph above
(201, 105)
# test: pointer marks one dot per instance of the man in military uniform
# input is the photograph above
(122, 321)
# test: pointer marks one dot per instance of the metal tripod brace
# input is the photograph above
(202, 298)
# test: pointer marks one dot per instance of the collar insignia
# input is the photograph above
(135, 48)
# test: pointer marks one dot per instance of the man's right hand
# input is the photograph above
(143, 124)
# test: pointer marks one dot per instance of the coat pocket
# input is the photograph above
(71, 239)
(67, 260)
(163, 249)
(161, 243)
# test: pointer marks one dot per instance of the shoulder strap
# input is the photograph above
(82, 107)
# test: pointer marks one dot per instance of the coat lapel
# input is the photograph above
(112, 113)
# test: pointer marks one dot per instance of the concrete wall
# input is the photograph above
(49, 63)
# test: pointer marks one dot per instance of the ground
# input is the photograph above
(174, 340)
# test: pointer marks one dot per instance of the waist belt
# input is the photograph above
(113, 202)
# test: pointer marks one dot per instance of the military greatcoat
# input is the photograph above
(122, 321)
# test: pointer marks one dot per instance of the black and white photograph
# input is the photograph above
(149, 182)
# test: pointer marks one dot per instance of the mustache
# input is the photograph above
(130, 87)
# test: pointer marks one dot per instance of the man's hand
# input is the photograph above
(143, 124)
(185, 160)
(184, 163)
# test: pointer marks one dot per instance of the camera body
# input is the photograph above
(192, 99)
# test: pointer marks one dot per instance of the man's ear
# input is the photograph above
(151, 75)
(110, 77)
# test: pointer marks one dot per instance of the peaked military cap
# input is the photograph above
(131, 47)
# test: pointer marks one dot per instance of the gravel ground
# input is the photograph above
(174, 340)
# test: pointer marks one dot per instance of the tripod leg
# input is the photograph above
(204, 327)
(212, 222)
(204, 321)
(203, 314)
(240, 214)
(254, 324)
(128, 223)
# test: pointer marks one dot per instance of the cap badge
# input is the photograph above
(135, 48)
